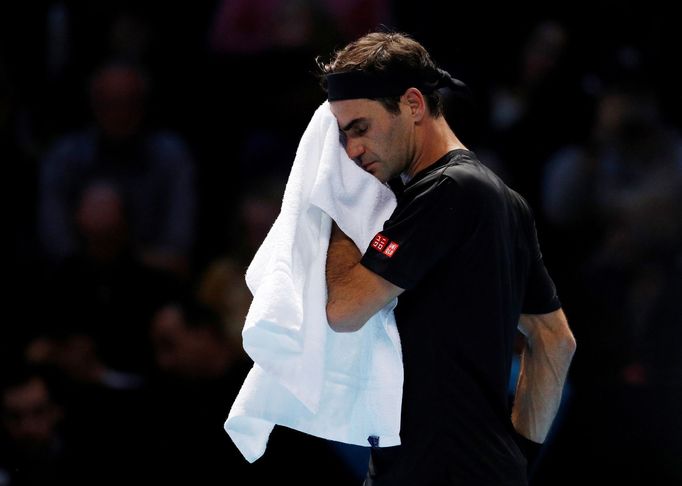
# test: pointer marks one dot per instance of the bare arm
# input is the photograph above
(544, 365)
(355, 293)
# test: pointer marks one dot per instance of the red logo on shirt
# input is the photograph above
(379, 242)
(391, 248)
(383, 245)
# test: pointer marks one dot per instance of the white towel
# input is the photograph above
(339, 386)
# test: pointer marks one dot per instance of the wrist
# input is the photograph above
(529, 448)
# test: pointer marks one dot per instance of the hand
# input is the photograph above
(530, 449)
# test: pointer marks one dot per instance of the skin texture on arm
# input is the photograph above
(546, 357)
(354, 293)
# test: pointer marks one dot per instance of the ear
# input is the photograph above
(416, 103)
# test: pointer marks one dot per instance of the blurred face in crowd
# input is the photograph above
(100, 214)
(378, 141)
(258, 214)
(180, 350)
(543, 51)
(117, 97)
(625, 116)
(29, 415)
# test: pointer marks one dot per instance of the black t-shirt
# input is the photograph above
(464, 247)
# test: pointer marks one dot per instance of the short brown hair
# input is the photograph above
(386, 53)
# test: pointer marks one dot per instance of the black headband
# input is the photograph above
(359, 84)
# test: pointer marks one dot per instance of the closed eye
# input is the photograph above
(353, 132)
(359, 130)
(355, 128)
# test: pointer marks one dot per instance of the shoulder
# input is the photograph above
(471, 181)
(478, 188)
(68, 153)
(72, 143)
(167, 141)
(169, 151)
(455, 173)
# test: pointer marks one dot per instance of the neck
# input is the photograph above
(433, 139)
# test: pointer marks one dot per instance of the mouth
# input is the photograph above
(368, 165)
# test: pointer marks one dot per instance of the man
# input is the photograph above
(199, 369)
(32, 447)
(460, 252)
(153, 170)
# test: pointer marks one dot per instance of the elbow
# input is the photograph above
(565, 344)
(569, 344)
(340, 321)
(565, 340)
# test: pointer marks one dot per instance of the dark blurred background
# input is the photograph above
(148, 145)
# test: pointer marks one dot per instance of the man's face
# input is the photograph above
(29, 415)
(179, 350)
(377, 140)
(117, 98)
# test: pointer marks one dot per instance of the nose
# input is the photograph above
(354, 149)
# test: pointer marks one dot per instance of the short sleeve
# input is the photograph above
(541, 295)
(417, 236)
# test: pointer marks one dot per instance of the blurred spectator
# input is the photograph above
(537, 107)
(257, 211)
(618, 201)
(355, 18)
(626, 188)
(153, 171)
(32, 446)
(200, 370)
(101, 298)
(222, 287)
(632, 163)
(190, 343)
(61, 43)
(255, 208)
(248, 26)
(540, 57)
(269, 46)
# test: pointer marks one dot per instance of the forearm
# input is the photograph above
(544, 367)
(342, 256)
(354, 293)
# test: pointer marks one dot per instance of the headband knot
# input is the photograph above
(446, 80)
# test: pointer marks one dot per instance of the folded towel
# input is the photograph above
(343, 387)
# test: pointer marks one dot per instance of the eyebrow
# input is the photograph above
(350, 124)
